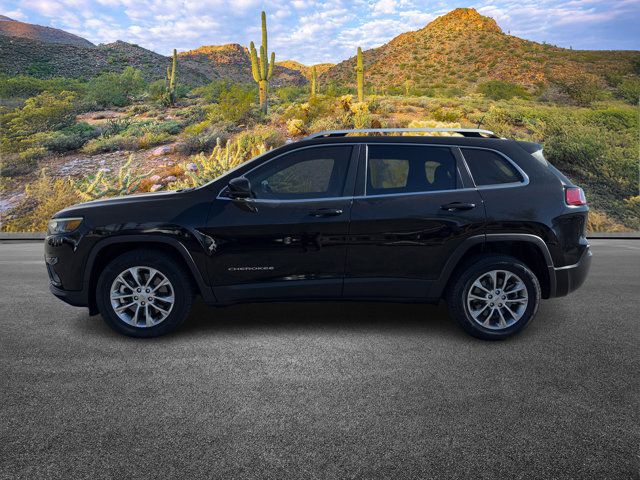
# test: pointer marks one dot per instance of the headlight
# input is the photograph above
(63, 225)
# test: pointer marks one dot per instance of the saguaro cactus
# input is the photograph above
(261, 68)
(172, 79)
(360, 76)
(314, 79)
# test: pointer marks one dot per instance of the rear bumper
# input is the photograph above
(571, 277)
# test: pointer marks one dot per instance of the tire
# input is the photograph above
(160, 309)
(474, 305)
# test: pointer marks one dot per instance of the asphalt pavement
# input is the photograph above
(322, 390)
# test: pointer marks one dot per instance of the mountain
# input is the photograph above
(462, 48)
(49, 52)
(13, 28)
(42, 59)
(304, 69)
(233, 62)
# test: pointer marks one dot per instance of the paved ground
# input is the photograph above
(329, 390)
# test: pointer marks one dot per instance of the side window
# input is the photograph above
(489, 168)
(410, 168)
(316, 172)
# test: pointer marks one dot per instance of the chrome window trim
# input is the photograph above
(219, 197)
(359, 197)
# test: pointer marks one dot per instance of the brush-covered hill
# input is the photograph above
(13, 28)
(25, 56)
(61, 54)
(305, 70)
(464, 48)
(233, 62)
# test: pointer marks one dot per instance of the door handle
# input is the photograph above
(325, 212)
(453, 206)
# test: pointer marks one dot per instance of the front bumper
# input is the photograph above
(571, 277)
(77, 298)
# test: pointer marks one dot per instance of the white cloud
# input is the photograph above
(313, 30)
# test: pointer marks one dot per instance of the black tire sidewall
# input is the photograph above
(177, 276)
(466, 279)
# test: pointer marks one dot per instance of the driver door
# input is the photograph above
(290, 239)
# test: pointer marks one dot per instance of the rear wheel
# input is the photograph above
(144, 294)
(494, 297)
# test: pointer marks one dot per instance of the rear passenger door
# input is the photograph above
(414, 206)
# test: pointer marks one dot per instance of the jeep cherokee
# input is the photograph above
(485, 223)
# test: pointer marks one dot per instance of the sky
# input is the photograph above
(324, 31)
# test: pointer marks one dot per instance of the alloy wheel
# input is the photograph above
(497, 299)
(142, 296)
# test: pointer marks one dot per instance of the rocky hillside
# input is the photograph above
(232, 62)
(13, 28)
(50, 56)
(41, 59)
(463, 48)
(304, 69)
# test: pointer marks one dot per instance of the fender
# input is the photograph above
(440, 284)
(206, 291)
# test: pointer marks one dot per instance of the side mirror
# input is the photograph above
(240, 188)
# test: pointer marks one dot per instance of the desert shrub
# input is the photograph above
(201, 168)
(43, 113)
(501, 90)
(325, 123)
(291, 93)
(43, 197)
(600, 222)
(115, 89)
(69, 138)
(441, 114)
(629, 90)
(234, 105)
(296, 127)
(123, 134)
(106, 183)
(24, 86)
(614, 118)
(156, 91)
(581, 90)
(212, 91)
(250, 142)
(361, 117)
(199, 142)
(573, 146)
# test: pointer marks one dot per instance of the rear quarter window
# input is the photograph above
(490, 168)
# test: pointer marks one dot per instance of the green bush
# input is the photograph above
(500, 90)
(581, 90)
(614, 118)
(629, 90)
(115, 89)
(24, 86)
(212, 91)
(234, 105)
(70, 138)
(42, 113)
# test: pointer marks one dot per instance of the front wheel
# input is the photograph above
(144, 294)
(494, 297)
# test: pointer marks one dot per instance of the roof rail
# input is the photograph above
(465, 132)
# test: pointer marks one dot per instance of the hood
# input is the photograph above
(136, 199)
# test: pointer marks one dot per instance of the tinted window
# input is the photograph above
(410, 168)
(308, 173)
(489, 168)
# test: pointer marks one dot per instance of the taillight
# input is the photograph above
(574, 196)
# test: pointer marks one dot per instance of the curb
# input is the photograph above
(39, 236)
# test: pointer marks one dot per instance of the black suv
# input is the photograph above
(483, 222)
